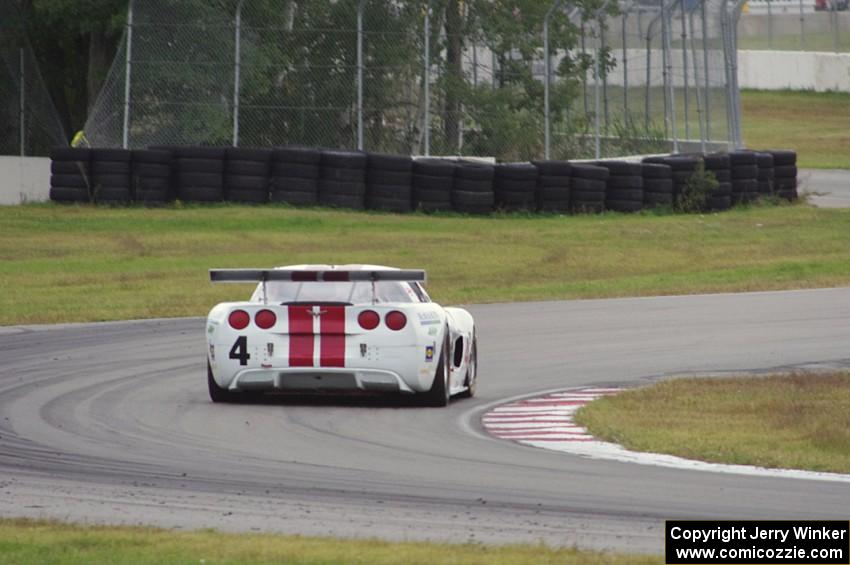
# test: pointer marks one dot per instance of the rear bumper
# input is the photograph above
(318, 379)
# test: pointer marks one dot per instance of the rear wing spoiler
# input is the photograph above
(305, 275)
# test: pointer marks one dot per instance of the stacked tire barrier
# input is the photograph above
(719, 165)
(295, 175)
(553, 186)
(70, 174)
(515, 186)
(624, 186)
(657, 185)
(246, 175)
(784, 173)
(389, 183)
(472, 192)
(150, 176)
(342, 179)
(745, 172)
(589, 183)
(433, 182)
(110, 176)
(357, 180)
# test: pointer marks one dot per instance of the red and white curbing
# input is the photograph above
(547, 422)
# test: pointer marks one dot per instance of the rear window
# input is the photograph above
(280, 292)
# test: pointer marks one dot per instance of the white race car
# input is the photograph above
(346, 328)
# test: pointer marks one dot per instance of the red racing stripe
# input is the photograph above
(332, 328)
(300, 336)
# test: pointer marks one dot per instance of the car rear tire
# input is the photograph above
(217, 394)
(471, 369)
(439, 395)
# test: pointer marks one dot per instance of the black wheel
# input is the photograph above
(439, 394)
(218, 394)
(471, 381)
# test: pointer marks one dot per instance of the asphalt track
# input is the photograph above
(111, 423)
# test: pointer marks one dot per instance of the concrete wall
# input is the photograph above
(798, 70)
(24, 179)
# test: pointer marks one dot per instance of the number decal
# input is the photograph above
(240, 350)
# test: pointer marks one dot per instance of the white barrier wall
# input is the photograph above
(795, 70)
(24, 179)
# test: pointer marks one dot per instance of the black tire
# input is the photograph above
(658, 198)
(353, 202)
(789, 195)
(117, 155)
(296, 198)
(247, 196)
(745, 185)
(380, 176)
(516, 172)
(557, 193)
(153, 170)
(745, 172)
(218, 394)
(213, 180)
(434, 167)
(69, 168)
(296, 154)
(295, 170)
(675, 162)
(766, 174)
(782, 184)
(658, 185)
(218, 154)
(112, 194)
(69, 194)
(344, 160)
(82, 154)
(258, 155)
(625, 194)
(783, 157)
(681, 177)
(150, 156)
(743, 157)
(429, 182)
(714, 161)
(394, 192)
(288, 184)
(194, 165)
(152, 184)
(385, 162)
(439, 394)
(111, 180)
(427, 206)
(625, 182)
(624, 205)
(588, 185)
(589, 172)
(503, 184)
(466, 199)
(245, 183)
(339, 188)
(558, 206)
(656, 171)
(765, 187)
(722, 175)
(593, 197)
(398, 205)
(621, 168)
(343, 175)
(764, 160)
(723, 189)
(554, 168)
(785, 171)
(475, 171)
(200, 193)
(511, 199)
(472, 185)
(551, 180)
(110, 167)
(587, 207)
(719, 202)
(70, 181)
(249, 168)
(471, 379)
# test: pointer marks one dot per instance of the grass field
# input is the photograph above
(62, 264)
(23, 541)
(815, 124)
(795, 421)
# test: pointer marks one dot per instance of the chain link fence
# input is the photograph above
(507, 79)
(796, 25)
(29, 123)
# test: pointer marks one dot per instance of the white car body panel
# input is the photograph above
(324, 348)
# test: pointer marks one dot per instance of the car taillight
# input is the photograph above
(265, 319)
(368, 319)
(396, 320)
(239, 319)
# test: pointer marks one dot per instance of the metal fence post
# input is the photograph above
(547, 65)
(696, 83)
(596, 133)
(22, 103)
(125, 143)
(360, 75)
(802, 28)
(237, 68)
(666, 31)
(426, 81)
(624, 17)
(769, 25)
(684, 38)
(705, 69)
(833, 21)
